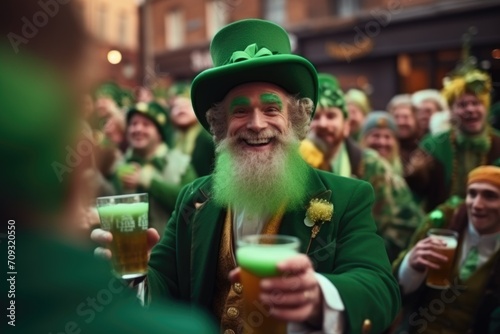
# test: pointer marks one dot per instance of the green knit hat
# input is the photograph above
(379, 119)
(37, 128)
(247, 51)
(153, 111)
(330, 94)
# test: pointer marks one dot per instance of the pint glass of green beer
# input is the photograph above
(126, 217)
(258, 255)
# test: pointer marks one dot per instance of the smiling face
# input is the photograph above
(330, 126)
(142, 134)
(483, 207)
(381, 140)
(469, 113)
(258, 116)
(259, 126)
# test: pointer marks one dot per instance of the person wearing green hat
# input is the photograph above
(329, 147)
(439, 168)
(257, 102)
(149, 165)
(53, 283)
(468, 305)
(189, 136)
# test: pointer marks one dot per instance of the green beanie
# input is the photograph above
(330, 94)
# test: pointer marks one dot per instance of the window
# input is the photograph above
(217, 13)
(274, 10)
(122, 29)
(174, 29)
(348, 7)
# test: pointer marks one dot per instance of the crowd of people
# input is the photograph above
(246, 148)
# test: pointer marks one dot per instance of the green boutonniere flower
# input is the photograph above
(319, 212)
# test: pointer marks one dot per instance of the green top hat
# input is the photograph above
(251, 50)
(153, 111)
(330, 94)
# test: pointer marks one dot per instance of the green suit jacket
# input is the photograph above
(347, 249)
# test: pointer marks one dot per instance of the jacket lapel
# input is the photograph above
(293, 222)
(206, 232)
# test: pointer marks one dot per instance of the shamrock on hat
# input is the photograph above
(251, 50)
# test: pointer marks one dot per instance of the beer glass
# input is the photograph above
(126, 217)
(441, 278)
(257, 256)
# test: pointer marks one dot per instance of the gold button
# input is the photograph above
(232, 312)
(229, 331)
(237, 287)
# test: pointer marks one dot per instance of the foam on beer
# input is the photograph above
(261, 260)
(450, 241)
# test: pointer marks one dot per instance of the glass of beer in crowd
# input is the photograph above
(257, 256)
(126, 217)
(441, 278)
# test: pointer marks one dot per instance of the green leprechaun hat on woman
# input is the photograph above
(251, 50)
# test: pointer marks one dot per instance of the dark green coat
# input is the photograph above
(347, 249)
(61, 289)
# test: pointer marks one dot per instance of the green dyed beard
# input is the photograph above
(260, 183)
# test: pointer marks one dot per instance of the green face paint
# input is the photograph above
(271, 98)
(239, 101)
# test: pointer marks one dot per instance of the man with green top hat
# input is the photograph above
(468, 305)
(257, 102)
(149, 165)
(394, 212)
(51, 282)
(438, 170)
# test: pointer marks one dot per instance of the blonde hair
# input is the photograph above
(474, 82)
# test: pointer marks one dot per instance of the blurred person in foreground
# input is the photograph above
(329, 148)
(438, 170)
(56, 284)
(257, 102)
(468, 305)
